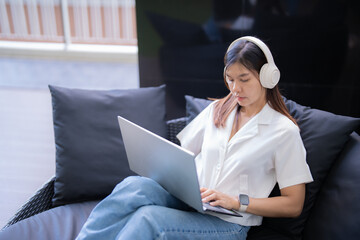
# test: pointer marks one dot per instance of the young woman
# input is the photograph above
(245, 143)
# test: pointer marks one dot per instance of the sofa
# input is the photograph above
(91, 160)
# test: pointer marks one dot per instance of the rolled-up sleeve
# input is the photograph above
(192, 136)
(290, 160)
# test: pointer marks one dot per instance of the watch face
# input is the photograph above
(244, 199)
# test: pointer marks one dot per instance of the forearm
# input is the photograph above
(282, 206)
(289, 204)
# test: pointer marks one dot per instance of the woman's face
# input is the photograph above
(245, 86)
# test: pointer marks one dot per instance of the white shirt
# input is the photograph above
(266, 150)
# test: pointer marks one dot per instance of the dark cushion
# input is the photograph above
(90, 156)
(324, 135)
(194, 106)
(63, 222)
(337, 209)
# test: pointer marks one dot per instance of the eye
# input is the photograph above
(244, 80)
(229, 80)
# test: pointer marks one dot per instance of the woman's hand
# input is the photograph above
(219, 199)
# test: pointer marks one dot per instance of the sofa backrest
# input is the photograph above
(336, 213)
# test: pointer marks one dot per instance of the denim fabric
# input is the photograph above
(139, 208)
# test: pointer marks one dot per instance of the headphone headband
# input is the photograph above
(258, 43)
(269, 73)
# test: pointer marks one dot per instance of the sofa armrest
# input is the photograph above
(39, 202)
(174, 127)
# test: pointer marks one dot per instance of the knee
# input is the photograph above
(136, 182)
(130, 179)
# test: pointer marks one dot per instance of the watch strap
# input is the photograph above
(244, 202)
(243, 208)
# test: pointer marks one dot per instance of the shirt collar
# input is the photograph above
(266, 114)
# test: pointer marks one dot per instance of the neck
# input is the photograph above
(252, 110)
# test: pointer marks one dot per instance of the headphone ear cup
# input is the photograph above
(269, 75)
(263, 75)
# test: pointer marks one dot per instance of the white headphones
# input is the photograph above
(269, 73)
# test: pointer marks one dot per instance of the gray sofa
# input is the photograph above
(331, 209)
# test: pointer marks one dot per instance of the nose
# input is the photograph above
(236, 88)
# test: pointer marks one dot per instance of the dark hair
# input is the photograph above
(247, 54)
(253, 58)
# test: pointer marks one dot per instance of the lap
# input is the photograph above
(139, 208)
(169, 223)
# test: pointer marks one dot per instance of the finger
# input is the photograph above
(205, 191)
(215, 203)
(210, 197)
(204, 197)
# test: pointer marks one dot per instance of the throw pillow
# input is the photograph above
(194, 106)
(90, 156)
(324, 135)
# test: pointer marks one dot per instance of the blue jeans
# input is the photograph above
(139, 208)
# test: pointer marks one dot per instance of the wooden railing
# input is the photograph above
(69, 21)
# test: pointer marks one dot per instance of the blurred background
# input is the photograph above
(106, 44)
(315, 44)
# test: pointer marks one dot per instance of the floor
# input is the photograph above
(27, 149)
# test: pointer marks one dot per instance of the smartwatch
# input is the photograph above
(244, 202)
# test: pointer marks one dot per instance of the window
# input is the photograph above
(106, 22)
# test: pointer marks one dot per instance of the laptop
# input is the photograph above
(172, 166)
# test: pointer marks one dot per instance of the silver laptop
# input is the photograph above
(172, 166)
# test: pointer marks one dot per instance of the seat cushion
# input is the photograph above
(60, 223)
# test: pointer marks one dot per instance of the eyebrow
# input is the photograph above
(239, 76)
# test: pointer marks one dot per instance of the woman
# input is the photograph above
(245, 143)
